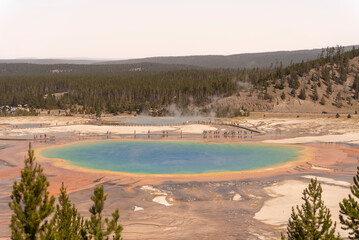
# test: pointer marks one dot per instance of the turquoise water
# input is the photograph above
(166, 157)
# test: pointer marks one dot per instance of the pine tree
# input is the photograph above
(95, 225)
(338, 100)
(314, 78)
(302, 95)
(322, 101)
(355, 86)
(315, 93)
(67, 222)
(329, 89)
(349, 210)
(312, 219)
(30, 202)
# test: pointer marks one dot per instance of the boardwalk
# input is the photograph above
(234, 130)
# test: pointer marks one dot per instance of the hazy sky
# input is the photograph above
(142, 28)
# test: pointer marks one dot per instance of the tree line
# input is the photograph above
(153, 91)
(36, 217)
(116, 93)
(7, 69)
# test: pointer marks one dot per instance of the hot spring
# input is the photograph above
(172, 157)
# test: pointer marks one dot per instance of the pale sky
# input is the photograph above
(142, 28)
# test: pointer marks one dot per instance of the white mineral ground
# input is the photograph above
(283, 194)
(324, 130)
(160, 197)
(286, 194)
(83, 129)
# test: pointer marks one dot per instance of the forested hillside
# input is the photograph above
(116, 92)
(330, 83)
(38, 69)
(235, 61)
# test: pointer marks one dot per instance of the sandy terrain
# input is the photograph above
(286, 194)
(94, 129)
(246, 205)
(52, 126)
(303, 126)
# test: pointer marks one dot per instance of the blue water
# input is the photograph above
(166, 157)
